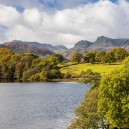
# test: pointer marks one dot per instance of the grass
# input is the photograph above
(101, 68)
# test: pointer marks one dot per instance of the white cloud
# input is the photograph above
(9, 16)
(68, 26)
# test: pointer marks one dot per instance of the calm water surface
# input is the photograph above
(39, 105)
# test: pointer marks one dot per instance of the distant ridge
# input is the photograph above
(83, 46)
(55, 49)
(101, 43)
(24, 48)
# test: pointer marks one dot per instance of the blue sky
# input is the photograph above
(63, 22)
(49, 4)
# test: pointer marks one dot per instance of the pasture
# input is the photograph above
(100, 68)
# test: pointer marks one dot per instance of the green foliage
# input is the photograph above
(109, 58)
(114, 98)
(120, 53)
(56, 58)
(126, 61)
(86, 114)
(106, 106)
(54, 74)
(90, 77)
(99, 56)
(28, 67)
(89, 57)
(67, 75)
(76, 57)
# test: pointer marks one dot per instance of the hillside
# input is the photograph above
(80, 47)
(101, 43)
(56, 49)
(83, 46)
(23, 48)
(104, 43)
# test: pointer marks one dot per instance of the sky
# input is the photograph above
(63, 22)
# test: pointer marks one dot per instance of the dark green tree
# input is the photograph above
(120, 53)
(89, 57)
(99, 56)
(56, 58)
(76, 57)
(109, 58)
(90, 77)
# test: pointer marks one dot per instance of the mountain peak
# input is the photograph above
(82, 44)
(102, 38)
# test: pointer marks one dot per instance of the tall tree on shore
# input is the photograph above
(86, 114)
(113, 101)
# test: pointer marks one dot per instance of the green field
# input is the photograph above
(101, 68)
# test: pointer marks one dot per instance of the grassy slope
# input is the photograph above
(101, 68)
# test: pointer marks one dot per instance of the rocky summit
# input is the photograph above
(101, 43)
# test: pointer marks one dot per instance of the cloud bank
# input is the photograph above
(67, 26)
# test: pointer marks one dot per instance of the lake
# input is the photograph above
(39, 105)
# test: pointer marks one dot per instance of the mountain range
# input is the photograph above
(24, 48)
(56, 49)
(83, 46)
(101, 43)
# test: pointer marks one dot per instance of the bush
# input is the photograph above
(67, 75)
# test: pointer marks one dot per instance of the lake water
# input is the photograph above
(39, 105)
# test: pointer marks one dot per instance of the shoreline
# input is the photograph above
(49, 80)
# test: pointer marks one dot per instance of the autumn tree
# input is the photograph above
(76, 57)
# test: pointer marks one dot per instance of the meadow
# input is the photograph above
(100, 68)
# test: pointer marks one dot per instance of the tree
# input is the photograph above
(99, 56)
(113, 101)
(120, 53)
(56, 58)
(76, 57)
(90, 77)
(89, 57)
(86, 114)
(109, 58)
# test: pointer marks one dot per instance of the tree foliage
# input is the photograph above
(120, 53)
(89, 57)
(99, 56)
(56, 58)
(76, 57)
(27, 66)
(109, 58)
(90, 77)
(86, 114)
(114, 98)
